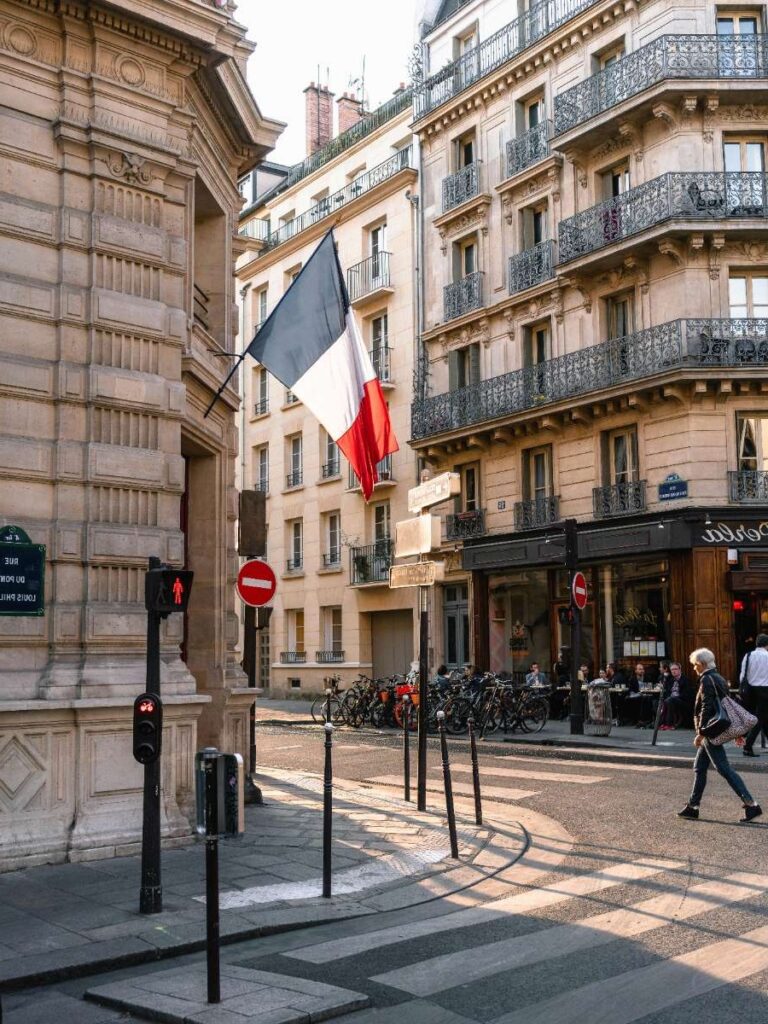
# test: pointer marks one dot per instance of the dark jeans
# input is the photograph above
(674, 711)
(758, 705)
(716, 755)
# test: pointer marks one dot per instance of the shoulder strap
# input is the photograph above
(746, 667)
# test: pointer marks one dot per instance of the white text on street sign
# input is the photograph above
(417, 536)
(432, 492)
(418, 574)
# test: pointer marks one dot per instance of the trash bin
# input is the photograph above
(598, 716)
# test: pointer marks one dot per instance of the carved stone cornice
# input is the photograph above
(469, 215)
(475, 332)
(541, 177)
(675, 251)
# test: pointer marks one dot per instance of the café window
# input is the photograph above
(620, 458)
(634, 599)
(620, 315)
(752, 434)
(748, 294)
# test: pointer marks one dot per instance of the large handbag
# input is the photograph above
(719, 722)
(741, 721)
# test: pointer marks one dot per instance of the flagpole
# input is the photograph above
(230, 375)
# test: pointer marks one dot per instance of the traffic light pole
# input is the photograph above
(421, 786)
(572, 564)
(151, 893)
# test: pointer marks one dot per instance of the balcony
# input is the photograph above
(262, 484)
(293, 657)
(527, 149)
(459, 187)
(536, 23)
(380, 359)
(329, 657)
(465, 525)
(332, 559)
(709, 196)
(537, 512)
(295, 564)
(531, 267)
(686, 57)
(200, 307)
(261, 408)
(383, 471)
(369, 278)
(618, 499)
(331, 469)
(370, 564)
(463, 296)
(256, 228)
(678, 344)
(400, 161)
(748, 486)
(294, 479)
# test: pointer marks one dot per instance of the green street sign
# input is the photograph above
(22, 573)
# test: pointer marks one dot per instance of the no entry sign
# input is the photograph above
(579, 590)
(256, 583)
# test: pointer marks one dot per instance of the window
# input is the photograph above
(295, 623)
(330, 456)
(748, 294)
(262, 306)
(534, 225)
(261, 468)
(295, 469)
(536, 344)
(290, 276)
(465, 51)
(464, 367)
(456, 625)
(534, 113)
(620, 315)
(465, 43)
(464, 151)
(752, 434)
(537, 473)
(381, 522)
(295, 560)
(333, 539)
(377, 245)
(464, 258)
(609, 56)
(379, 349)
(616, 181)
(621, 456)
(737, 23)
(469, 498)
(742, 153)
(331, 618)
(261, 405)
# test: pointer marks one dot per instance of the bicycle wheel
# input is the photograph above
(533, 714)
(456, 714)
(347, 706)
(319, 708)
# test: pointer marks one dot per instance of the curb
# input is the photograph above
(602, 752)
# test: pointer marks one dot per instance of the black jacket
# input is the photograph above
(686, 688)
(705, 707)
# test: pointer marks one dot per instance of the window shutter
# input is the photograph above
(474, 364)
(453, 370)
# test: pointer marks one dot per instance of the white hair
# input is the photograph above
(704, 656)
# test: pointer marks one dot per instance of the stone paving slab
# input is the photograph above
(247, 997)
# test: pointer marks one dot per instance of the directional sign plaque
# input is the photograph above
(22, 573)
(417, 574)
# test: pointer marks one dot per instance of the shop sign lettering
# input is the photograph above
(723, 533)
(633, 617)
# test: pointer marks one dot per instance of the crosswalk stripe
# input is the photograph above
(568, 762)
(427, 977)
(520, 903)
(523, 773)
(635, 994)
(461, 788)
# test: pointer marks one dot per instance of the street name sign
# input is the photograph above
(22, 573)
(579, 590)
(256, 583)
(417, 536)
(432, 492)
(418, 574)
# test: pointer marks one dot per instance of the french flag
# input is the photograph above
(312, 344)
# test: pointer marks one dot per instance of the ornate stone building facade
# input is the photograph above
(122, 137)
(596, 292)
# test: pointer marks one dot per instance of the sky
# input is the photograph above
(293, 37)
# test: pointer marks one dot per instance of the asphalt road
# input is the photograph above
(648, 918)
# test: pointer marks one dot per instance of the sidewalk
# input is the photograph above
(62, 920)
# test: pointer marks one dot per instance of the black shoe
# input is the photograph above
(693, 812)
(749, 752)
(752, 812)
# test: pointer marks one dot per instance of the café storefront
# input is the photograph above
(658, 588)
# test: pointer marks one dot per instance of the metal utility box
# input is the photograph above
(220, 794)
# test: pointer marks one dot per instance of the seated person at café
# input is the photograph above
(584, 673)
(562, 667)
(639, 685)
(677, 693)
(614, 675)
(535, 677)
(639, 680)
(442, 679)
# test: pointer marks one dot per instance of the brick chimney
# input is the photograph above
(319, 116)
(350, 111)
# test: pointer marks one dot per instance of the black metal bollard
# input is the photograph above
(448, 787)
(406, 748)
(212, 919)
(328, 704)
(327, 810)
(475, 771)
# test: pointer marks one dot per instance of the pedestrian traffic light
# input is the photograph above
(167, 590)
(565, 616)
(147, 728)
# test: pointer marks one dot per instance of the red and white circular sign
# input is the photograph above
(256, 583)
(579, 590)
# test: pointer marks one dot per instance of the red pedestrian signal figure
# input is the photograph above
(178, 590)
(167, 590)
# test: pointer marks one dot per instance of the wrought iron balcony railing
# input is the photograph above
(370, 564)
(463, 296)
(527, 149)
(200, 307)
(328, 657)
(293, 657)
(532, 266)
(381, 363)
(538, 21)
(459, 187)
(368, 276)
(748, 485)
(325, 207)
(294, 564)
(261, 484)
(261, 408)
(687, 195)
(673, 56)
(332, 559)
(383, 471)
(681, 344)
(618, 499)
(536, 512)
(464, 525)
(295, 478)
(257, 227)
(331, 468)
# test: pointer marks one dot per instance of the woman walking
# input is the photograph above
(711, 688)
